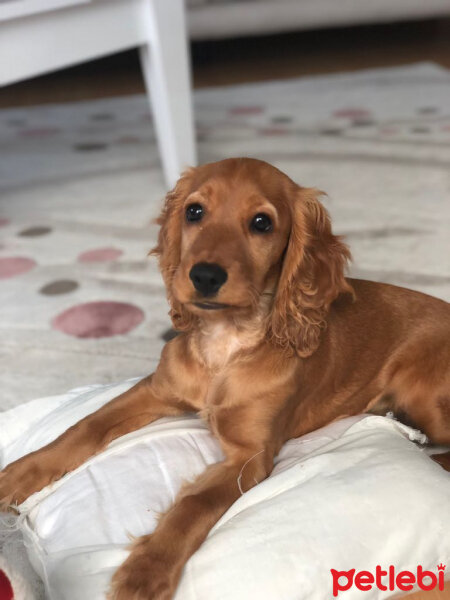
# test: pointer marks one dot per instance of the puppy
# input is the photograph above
(275, 342)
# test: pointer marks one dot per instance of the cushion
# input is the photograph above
(353, 495)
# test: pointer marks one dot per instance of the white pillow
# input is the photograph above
(355, 494)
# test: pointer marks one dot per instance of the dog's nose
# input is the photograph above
(207, 278)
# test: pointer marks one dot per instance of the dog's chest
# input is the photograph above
(219, 344)
(223, 349)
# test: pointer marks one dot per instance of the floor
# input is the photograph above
(250, 59)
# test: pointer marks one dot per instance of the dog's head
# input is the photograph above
(238, 236)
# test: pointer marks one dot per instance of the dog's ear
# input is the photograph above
(312, 276)
(168, 248)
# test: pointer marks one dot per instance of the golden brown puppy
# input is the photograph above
(276, 342)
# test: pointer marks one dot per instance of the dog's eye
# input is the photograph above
(261, 223)
(194, 212)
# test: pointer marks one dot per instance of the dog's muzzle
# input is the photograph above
(207, 278)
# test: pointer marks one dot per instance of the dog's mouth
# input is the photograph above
(211, 305)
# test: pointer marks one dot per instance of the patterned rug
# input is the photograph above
(80, 183)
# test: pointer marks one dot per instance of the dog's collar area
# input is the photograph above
(210, 305)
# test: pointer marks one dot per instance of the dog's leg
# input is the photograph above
(154, 566)
(129, 411)
(418, 389)
(431, 413)
(443, 459)
(440, 428)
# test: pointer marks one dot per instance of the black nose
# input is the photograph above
(207, 278)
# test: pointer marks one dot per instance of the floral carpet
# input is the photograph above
(80, 301)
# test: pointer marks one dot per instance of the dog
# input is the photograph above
(274, 342)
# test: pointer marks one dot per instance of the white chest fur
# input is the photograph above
(219, 342)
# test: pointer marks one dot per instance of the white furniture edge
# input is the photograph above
(42, 42)
(251, 17)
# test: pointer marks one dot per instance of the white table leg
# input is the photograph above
(165, 65)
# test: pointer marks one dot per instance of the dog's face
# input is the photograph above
(233, 235)
(239, 235)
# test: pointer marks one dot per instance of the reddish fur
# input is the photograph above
(299, 346)
(431, 595)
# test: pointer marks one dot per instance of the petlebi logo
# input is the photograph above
(388, 579)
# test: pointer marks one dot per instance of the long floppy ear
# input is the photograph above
(312, 276)
(168, 248)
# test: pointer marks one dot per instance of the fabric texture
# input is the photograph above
(354, 494)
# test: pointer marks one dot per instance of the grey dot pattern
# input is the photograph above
(104, 116)
(61, 286)
(35, 231)
(90, 147)
(169, 335)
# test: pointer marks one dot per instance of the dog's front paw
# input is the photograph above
(19, 480)
(145, 575)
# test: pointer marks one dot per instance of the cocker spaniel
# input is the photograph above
(275, 342)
